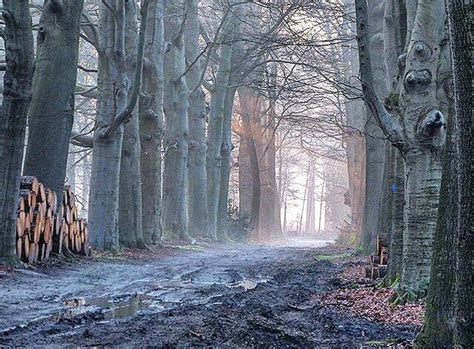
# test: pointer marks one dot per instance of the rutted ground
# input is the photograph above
(227, 296)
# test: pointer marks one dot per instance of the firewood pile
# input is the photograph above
(43, 228)
(378, 262)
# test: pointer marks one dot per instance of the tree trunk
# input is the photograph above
(198, 223)
(52, 106)
(13, 114)
(356, 155)
(460, 17)
(424, 110)
(396, 235)
(176, 129)
(249, 105)
(310, 224)
(215, 128)
(375, 145)
(112, 98)
(71, 168)
(245, 180)
(226, 150)
(437, 331)
(151, 123)
(130, 194)
(422, 135)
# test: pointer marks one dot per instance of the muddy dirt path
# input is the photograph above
(226, 296)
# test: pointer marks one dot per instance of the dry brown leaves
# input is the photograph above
(362, 297)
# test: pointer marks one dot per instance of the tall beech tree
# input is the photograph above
(460, 17)
(175, 140)
(51, 112)
(151, 122)
(420, 134)
(130, 195)
(115, 106)
(197, 179)
(13, 114)
(216, 122)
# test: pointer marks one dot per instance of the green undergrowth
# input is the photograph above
(189, 247)
(332, 257)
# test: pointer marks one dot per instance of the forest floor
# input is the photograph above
(227, 296)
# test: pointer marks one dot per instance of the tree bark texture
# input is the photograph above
(151, 122)
(375, 145)
(424, 104)
(421, 134)
(250, 106)
(216, 121)
(113, 88)
(437, 331)
(130, 194)
(460, 17)
(226, 157)
(52, 106)
(17, 87)
(176, 127)
(198, 218)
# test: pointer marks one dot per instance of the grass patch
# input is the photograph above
(189, 247)
(331, 257)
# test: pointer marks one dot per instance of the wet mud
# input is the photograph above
(222, 296)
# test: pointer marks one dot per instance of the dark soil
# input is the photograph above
(229, 296)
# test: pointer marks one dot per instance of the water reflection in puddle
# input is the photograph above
(246, 284)
(111, 308)
(162, 298)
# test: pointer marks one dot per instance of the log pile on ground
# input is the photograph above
(378, 262)
(42, 228)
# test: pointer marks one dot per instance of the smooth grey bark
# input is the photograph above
(226, 158)
(421, 134)
(354, 139)
(151, 122)
(215, 127)
(310, 221)
(17, 88)
(51, 112)
(198, 220)
(249, 105)
(460, 18)
(175, 141)
(245, 180)
(397, 205)
(130, 195)
(112, 98)
(438, 323)
(375, 145)
(424, 103)
(394, 44)
(71, 168)
(270, 224)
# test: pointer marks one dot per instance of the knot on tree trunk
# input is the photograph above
(418, 79)
(431, 128)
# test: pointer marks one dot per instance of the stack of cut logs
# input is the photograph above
(378, 262)
(41, 228)
(73, 231)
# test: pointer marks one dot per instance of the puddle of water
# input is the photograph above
(246, 284)
(111, 308)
